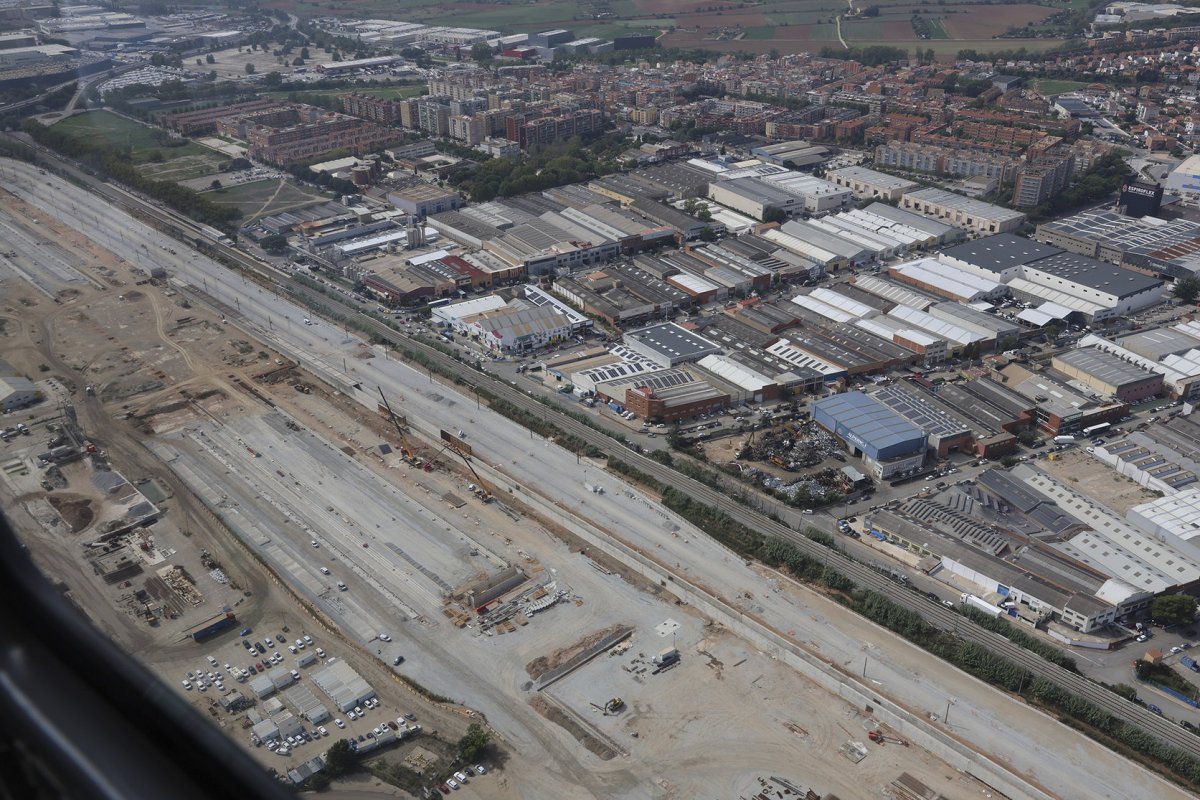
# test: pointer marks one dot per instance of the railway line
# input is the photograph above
(862, 575)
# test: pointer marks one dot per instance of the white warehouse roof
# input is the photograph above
(938, 327)
(735, 373)
(824, 309)
(1054, 296)
(847, 304)
(784, 349)
(962, 285)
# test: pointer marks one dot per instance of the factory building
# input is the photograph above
(669, 344)
(1108, 374)
(1181, 373)
(888, 443)
(936, 277)
(424, 199)
(1171, 519)
(1112, 545)
(674, 403)
(1039, 272)
(962, 212)
(891, 292)
(870, 184)
(1039, 583)
(1163, 458)
(1058, 408)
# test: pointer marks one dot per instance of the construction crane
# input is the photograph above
(478, 488)
(406, 450)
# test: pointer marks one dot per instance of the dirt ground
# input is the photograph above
(231, 63)
(160, 362)
(1096, 479)
(146, 350)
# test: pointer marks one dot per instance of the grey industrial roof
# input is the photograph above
(1095, 274)
(673, 340)
(1031, 503)
(922, 411)
(758, 190)
(1104, 366)
(913, 220)
(1158, 343)
(869, 419)
(1000, 252)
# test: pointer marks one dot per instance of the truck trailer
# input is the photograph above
(982, 605)
(213, 627)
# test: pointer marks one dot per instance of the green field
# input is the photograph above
(263, 198)
(764, 32)
(156, 153)
(113, 128)
(937, 30)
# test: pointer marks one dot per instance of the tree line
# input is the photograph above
(116, 164)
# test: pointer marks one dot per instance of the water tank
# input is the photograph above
(361, 176)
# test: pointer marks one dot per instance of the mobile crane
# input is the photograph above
(478, 488)
(406, 450)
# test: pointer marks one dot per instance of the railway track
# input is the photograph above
(934, 613)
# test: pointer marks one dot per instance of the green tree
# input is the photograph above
(210, 59)
(707, 234)
(273, 78)
(473, 743)
(481, 51)
(275, 243)
(1173, 609)
(773, 214)
(249, 69)
(216, 184)
(1187, 289)
(339, 759)
(304, 53)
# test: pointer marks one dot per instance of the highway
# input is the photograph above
(864, 576)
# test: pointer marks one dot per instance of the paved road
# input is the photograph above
(1006, 732)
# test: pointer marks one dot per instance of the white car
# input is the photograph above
(187, 684)
(315, 543)
(320, 653)
(307, 639)
(339, 723)
(323, 730)
(324, 570)
(352, 715)
(295, 675)
(453, 784)
(383, 637)
(480, 769)
(292, 647)
(358, 710)
(462, 776)
(299, 644)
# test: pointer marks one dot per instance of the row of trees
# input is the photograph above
(116, 164)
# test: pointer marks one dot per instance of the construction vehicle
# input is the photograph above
(407, 452)
(613, 706)
(479, 487)
(879, 737)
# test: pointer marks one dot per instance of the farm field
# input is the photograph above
(263, 198)
(784, 25)
(155, 153)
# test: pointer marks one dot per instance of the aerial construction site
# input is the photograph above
(229, 485)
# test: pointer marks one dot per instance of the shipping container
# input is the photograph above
(213, 628)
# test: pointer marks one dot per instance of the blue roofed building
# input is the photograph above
(889, 444)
